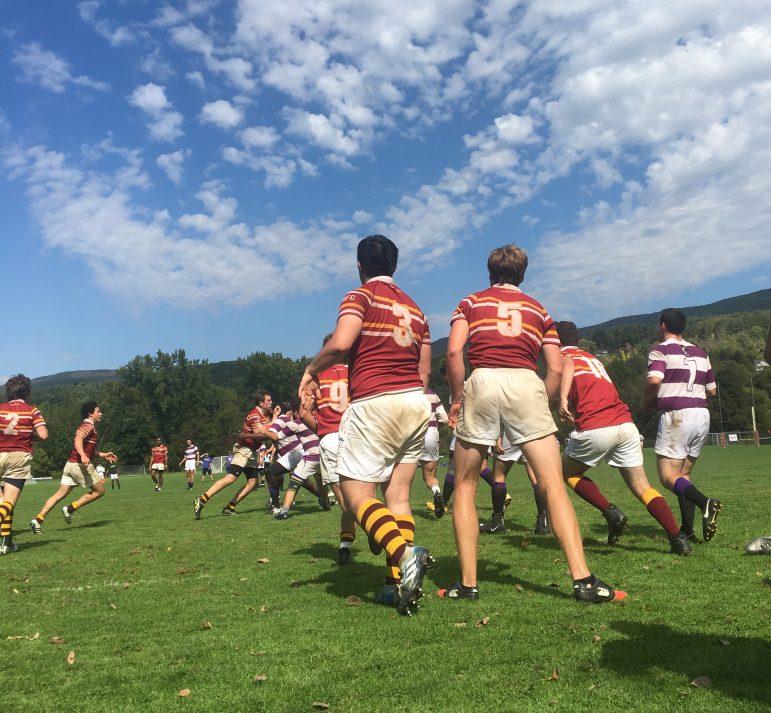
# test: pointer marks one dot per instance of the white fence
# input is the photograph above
(739, 438)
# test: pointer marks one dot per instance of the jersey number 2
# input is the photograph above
(10, 429)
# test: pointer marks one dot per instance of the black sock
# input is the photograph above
(687, 512)
(449, 487)
(498, 493)
(693, 494)
(540, 500)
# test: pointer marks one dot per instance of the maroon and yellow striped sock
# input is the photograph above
(348, 535)
(587, 489)
(204, 499)
(231, 506)
(6, 510)
(40, 517)
(379, 522)
(74, 506)
(406, 525)
(6, 526)
(660, 510)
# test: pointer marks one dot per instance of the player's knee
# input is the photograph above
(295, 484)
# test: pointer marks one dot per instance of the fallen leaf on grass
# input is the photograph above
(354, 601)
(168, 549)
(459, 624)
(56, 640)
(519, 587)
(596, 639)
(126, 585)
(242, 579)
(206, 625)
(319, 706)
(258, 653)
(702, 682)
(14, 638)
(134, 552)
(71, 658)
(34, 636)
(112, 606)
(16, 591)
(555, 674)
(259, 678)
(263, 560)
(483, 622)
(184, 693)
(524, 544)
(263, 609)
(594, 686)
(312, 561)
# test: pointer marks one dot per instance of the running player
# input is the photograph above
(604, 431)
(79, 470)
(206, 460)
(159, 462)
(190, 459)
(680, 378)
(429, 458)
(322, 412)
(386, 338)
(506, 331)
(114, 474)
(243, 451)
(19, 423)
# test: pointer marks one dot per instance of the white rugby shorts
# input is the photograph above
(328, 446)
(511, 453)
(430, 452)
(619, 446)
(290, 460)
(158, 466)
(190, 464)
(380, 432)
(306, 469)
(682, 434)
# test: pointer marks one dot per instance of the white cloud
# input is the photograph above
(195, 78)
(116, 35)
(221, 113)
(163, 122)
(171, 164)
(44, 68)
(261, 137)
(156, 66)
(323, 132)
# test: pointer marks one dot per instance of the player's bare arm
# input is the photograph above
(84, 459)
(650, 393)
(552, 356)
(456, 369)
(307, 404)
(424, 365)
(109, 456)
(334, 351)
(41, 432)
(566, 381)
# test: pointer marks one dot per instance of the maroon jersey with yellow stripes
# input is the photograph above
(254, 419)
(386, 354)
(333, 399)
(18, 421)
(90, 438)
(507, 328)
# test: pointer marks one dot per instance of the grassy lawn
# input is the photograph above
(152, 602)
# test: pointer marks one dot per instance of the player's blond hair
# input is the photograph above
(507, 264)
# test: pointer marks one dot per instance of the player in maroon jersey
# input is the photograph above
(159, 462)
(604, 431)
(386, 338)
(506, 331)
(19, 423)
(79, 470)
(244, 450)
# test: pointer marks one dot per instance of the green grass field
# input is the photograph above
(132, 585)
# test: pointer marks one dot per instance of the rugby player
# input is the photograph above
(114, 474)
(206, 460)
(190, 459)
(322, 412)
(243, 452)
(19, 423)
(429, 458)
(386, 338)
(680, 378)
(79, 470)
(506, 330)
(159, 462)
(604, 431)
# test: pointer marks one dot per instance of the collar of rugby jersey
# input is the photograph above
(17, 401)
(507, 286)
(381, 278)
(675, 340)
(88, 420)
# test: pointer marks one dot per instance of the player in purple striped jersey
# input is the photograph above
(429, 458)
(680, 379)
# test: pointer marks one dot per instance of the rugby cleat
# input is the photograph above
(430, 506)
(679, 545)
(281, 514)
(157, 488)
(596, 592)
(344, 555)
(7, 545)
(388, 596)
(324, 504)
(494, 526)
(67, 514)
(507, 502)
(197, 508)
(374, 547)
(616, 523)
(542, 526)
(759, 546)
(709, 518)
(413, 567)
(438, 506)
(35, 526)
(458, 591)
(228, 511)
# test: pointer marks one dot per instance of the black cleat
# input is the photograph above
(7, 545)
(596, 592)
(616, 523)
(679, 544)
(494, 526)
(344, 555)
(542, 526)
(413, 567)
(439, 508)
(197, 508)
(228, 511)
(458, 591)
(388, 596)
(374, 547)
(324, 504)
(709, 518)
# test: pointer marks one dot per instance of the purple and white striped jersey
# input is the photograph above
(287, 438)
(685, 372)
(308, 439)
(438, 414)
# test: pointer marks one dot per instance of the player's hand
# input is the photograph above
(565, 413)
(109, 456)
(85, 460)
(498, 447)
(276, 411)
(452, 416)
(308, 384)
(308, 401)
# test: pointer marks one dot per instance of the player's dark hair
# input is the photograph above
(377, 256)
(568, 334)
(18, 387)
(289, 406)
(673, 319)
(507, 265)
(260, 396)
(88, 408)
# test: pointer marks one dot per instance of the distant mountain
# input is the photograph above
(92, 376)
(751, 302)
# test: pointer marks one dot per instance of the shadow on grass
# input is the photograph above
(563, 591)
(28, 545)
(545, 542)
(445, 571)
(95, 523)
(738, 669)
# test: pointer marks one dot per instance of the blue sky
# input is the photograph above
(195, 174)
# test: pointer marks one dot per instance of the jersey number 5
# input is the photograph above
(403, 332)
(509, 319)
